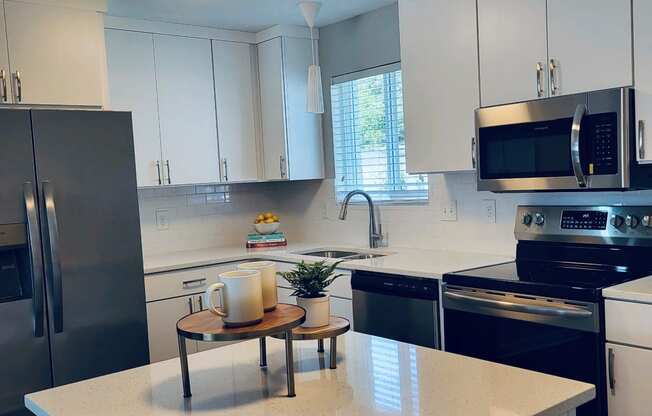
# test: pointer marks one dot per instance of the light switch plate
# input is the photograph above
(489, 210)
(162, 219)
(448, 210)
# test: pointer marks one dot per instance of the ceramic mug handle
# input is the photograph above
(208, 299)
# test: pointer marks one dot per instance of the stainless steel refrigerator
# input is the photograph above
(72, 297)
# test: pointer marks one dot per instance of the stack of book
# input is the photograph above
(276, 239)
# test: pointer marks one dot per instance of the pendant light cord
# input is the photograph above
(312, 46)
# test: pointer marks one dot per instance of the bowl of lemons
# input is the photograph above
(267, 223)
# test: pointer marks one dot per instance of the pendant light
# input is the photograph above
(315, 101)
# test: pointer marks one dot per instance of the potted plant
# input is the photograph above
(309, 281)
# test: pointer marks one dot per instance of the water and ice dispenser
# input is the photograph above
(15, 280)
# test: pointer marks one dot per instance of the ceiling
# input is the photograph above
(246, 15)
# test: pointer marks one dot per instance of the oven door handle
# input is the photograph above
(580, 112)
(560, 311)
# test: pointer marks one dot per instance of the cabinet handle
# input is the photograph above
(190, 308)
(158, 172)
(554, 88)
(225, 163)
(167, 164)
(193, 283)
(474, 161)
(19, 87)
(201, 302)
(540, 89)
(612, 379)
(3, 77)
(641, 139)
(282, 166)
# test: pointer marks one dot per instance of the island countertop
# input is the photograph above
(374, 376)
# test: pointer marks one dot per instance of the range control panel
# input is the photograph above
(611, 225)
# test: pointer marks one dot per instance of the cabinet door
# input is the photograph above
(57, 52)
(203, 345)
(272, 103)
(284, 296)
(132, 87)
(643, 78)
(234, 67)
(629, 371)
(186, 100)
(304, 141)
(439, 60)
(162, 317)
(513, 50)
(590, 42)
(5, 72)
(343, 308)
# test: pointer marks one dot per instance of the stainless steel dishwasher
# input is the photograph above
(401, 308)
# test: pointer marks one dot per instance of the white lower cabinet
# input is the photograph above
(342, 307)
(629, 377)
(162, 317)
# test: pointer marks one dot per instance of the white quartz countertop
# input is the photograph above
(408, 261)
(374, 376)
(639, 290)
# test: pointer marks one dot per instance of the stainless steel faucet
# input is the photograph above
(375, 229)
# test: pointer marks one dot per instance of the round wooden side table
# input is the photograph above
(336, 327)
(206, 326)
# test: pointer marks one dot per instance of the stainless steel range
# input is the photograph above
(545, 311)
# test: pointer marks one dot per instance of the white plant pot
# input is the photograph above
(318, 310)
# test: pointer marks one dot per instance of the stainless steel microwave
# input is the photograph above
(576, 142)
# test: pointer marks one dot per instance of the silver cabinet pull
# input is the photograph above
(225, 163)
(190, 308)
(19, 87)
(36, 259)
(167, 165)
(54, 269)
(282, 166)
(193, 283)
(3, 78)
(580, 111)
(540, 89)
(554, 88)
(641, 139)
(158, 172)
(612, 378)
(474, 161)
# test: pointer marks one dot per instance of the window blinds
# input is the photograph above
(368, 137)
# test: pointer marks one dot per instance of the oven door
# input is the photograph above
(546, 335)
(564, 143)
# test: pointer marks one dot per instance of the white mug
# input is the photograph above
(241, 297)
(268, 279)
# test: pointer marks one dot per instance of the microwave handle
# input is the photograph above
(580, 112)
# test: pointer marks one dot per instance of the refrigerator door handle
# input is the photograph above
(55, 262)
(34, 238)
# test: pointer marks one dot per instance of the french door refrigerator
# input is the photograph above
(72, 297)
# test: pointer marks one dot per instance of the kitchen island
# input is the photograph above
(374, 376)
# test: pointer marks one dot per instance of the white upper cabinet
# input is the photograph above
(186, 102)
(5, 71)
(291, 137)
(236, 87)
(643, 78)
(440, 83)
(590, 41)
(513, 50)
(55, 53)
(132, 78)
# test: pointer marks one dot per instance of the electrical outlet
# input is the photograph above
(448, 210)
(163, 219)
(489, 210)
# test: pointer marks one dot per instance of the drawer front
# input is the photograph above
(341, 287)
(183, 282)
(628, 323)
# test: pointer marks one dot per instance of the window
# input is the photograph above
(368, 137)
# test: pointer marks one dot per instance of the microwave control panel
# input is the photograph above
(601, 141)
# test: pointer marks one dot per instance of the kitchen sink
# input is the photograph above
(341, 254)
